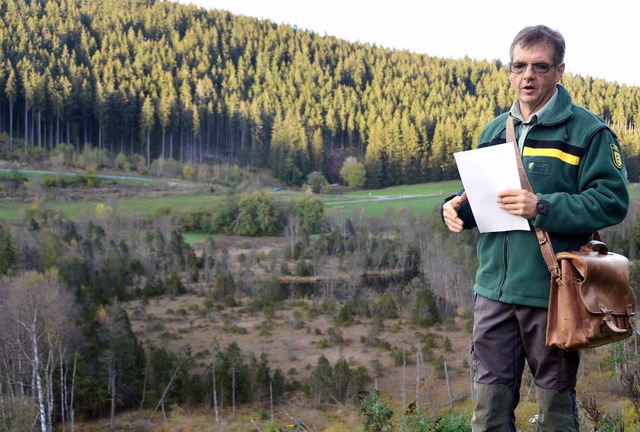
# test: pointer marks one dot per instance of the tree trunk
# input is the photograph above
(144, 386)
(84, 136)
(10, 129)
(21, 382)
(164, 130)
(49, 369)
(63, 390)
(271, 399)
(58, 133)
(164, 393)
(215, 397)
(2, 412)
(72, 417)
(26, 122)
(39, 130)
(112, 391)
(181, 149)
(404, 379)
(449, 390)
(171, 145)
(38, 378)
(233, 390)
(418, 365)
(148, 136)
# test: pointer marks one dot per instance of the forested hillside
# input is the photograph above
(166, 80)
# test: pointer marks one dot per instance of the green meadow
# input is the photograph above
(422, 198)
(13, 212)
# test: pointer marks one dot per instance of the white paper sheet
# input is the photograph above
(484, 173)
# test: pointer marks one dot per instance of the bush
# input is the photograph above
(310, 210)
(317, 182)
(258, 215)
(353, 173)
(425, 312)
(387, 307)
(376, 411)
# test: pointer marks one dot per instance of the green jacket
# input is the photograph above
(575, 166)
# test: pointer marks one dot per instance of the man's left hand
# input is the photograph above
(518, 202)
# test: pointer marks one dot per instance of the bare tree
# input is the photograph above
(208, 258)
(110, 318)
(292, 229)
(404, 379)
(449, 389)
(164, 394)
(214, 364)
(37, 311)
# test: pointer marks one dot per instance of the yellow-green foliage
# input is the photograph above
(630, 417)
(525, 412)
(188, 171)
(340, 427)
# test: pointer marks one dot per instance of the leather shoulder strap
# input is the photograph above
(543, 237)
(511, 137)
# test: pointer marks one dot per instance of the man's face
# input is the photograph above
(533, 86)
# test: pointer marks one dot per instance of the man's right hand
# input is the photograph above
(450, 213)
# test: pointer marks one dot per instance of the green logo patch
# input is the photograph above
(616, 157)
(539, 168)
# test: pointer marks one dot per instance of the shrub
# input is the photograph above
(353, 173)
(425, 312)
(317, 182)
(376, 411)
(258, 215)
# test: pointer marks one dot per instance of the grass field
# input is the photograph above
(43, 175)
(12, 211)
(193, 238)
(422, 198)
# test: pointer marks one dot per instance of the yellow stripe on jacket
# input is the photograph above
(550, 152)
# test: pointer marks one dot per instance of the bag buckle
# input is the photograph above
(606, 313)
(608, 322)
(631, 315)
(557, 275)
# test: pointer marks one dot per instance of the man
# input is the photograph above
(576, 171)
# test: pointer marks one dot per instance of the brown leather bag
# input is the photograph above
(591, 302)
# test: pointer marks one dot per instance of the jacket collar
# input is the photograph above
(557, 110)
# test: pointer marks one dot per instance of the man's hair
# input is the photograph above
(537, 35)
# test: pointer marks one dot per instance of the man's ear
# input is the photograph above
(559, 72)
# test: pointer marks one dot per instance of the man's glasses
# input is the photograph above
(538, 68)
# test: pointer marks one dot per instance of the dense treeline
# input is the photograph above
(171, 81)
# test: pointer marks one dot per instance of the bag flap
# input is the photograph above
(605, 280)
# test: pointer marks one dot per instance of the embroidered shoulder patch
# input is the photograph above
(616, 157)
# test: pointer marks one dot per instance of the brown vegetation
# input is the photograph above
(299, 331)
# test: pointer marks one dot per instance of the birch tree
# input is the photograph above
(214, 361)
(37, 312)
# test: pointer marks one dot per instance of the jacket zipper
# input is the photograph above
(506, 268)
(506, 236)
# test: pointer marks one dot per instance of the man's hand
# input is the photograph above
(518, 202)
(450, 213)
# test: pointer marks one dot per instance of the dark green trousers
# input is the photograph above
(505, 337)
